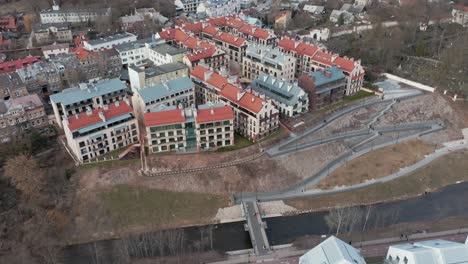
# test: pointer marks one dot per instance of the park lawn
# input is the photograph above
(377, 164)
(131, 206)
(441, 172)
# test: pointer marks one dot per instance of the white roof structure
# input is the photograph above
(314, 9)
(332, 251)
(429, 252)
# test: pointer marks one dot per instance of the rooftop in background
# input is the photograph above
(110, 38)
(134, 45)
(29, 101)
(168, 49)
(99, 11)
(277, 89)
(45, 27)
(86, 119)
(55, 46)
(160, 90)
(11, 66)
(214, 112)
(87, 91)
(164, 115)
(160, 70)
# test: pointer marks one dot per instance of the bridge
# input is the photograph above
(256, 228)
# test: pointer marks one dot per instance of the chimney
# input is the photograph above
(253, 99)
(208, 74)
(240, 94)
(211, 111)
(126, 100)
(77, 116)
(117, 103)
(89, 111)
(182, 112)
(105, 107)
(101, 115)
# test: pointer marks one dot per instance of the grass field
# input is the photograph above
(347, 99)
(443, 171)
(378, 163)
(134, 206)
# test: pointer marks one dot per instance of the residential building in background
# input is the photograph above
(323, 87)
(55, 32)
(169, 128)
(263, 59)
(255, 118)
(110, 63)
(217, 8)
(41, 78)
(20, 114)
(132, 23)
(188, 6)
(74, 15)
(11, 66)
(310, 58)
(460, 15)
(433, 251)
(95, 132)
(332, 251)
(53, 50)
(78, 99)
(287, 97)
(141, 77)
(208, 54)
(282, 20)
(11, 86)
(109, 42)
(180, 91)
(141, 51)
(154, 15)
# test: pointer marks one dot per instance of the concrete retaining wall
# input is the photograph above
(409, 82)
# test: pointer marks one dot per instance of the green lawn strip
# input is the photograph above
(441, 172)
(130, 206)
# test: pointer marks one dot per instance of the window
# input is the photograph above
(155, 149)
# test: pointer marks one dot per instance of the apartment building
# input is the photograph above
(11, 66)
(78, 99)
(89, 62)
(269, 60)
(208, 54)
(239, 27)
(310, 58)
(287, 97)
(235, 47)
(217, 8)
(96, 132)
(41, 78)
(74, 15)
(20, 114)
(170, 128)
(141, 77)
(11, 86)
(180, 91)
(109, 42)
(254, 117)
(323, 87)
(460, 15)
(53, 50)
(188, 6)
(48, 33)
(163, 53)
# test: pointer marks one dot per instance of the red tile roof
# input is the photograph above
(164, 118)
(234, 22)
(191, 43)
(218, 22)
(199, 72)
(202, 51)
(261, 33)
(247, 29)
(215, 114)
(193, 27)
(324, 58)
(211, 30)
(306, 49)
(248, 100)
(11, 66)
(81, 53)
(85, 120)
(216, 80)
(287, 44)
(344, 64)
(230, 38)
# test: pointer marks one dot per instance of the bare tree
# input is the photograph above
(26, 175)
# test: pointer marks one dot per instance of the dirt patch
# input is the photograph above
(377, 164)
(443, 171)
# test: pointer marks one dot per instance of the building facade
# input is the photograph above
(96, 132)
(51, 51)
(217, 8)
(287, 97)
(170, 128)
(254, 117)
(77, 100)
(73, 15)
(21, 114)
(188, 6)
(263, 59)
(141, 77)
(310, 58)
(460, 15)
(323, 87)
(48, 33)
